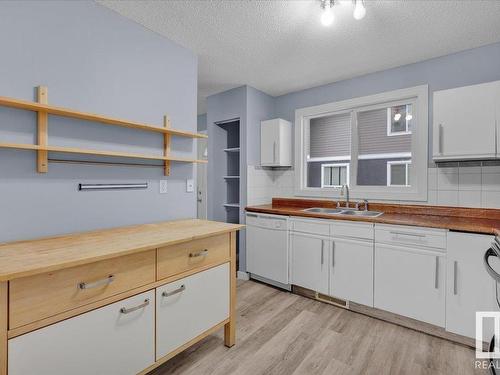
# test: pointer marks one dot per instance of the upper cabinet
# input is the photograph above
(465, 122)
(276, 143)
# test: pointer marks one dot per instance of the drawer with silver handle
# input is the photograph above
(412, 236)
(186, 256)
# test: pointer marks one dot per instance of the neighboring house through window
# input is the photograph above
(399, 120)
(398, 173)
(334, 175)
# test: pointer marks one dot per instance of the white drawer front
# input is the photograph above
(190, 307)
(352, 230)
(103, 341)
(413, 236)
(311, 226)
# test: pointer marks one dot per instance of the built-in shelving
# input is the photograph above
(43, 109)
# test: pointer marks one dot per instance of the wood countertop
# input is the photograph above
(24, 258)
(486, 221)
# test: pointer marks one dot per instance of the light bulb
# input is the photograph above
(327, 16)
(397, 116)
(408, 117)
(359, 10)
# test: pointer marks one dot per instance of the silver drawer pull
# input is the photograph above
(176, 291)
(408, 234)
(202, 253)
(97, 283)
(124, 310)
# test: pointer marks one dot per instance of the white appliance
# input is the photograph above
(267, 249)
(493, 251)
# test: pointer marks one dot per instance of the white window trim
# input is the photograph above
(330, 158)
(392, 155)
(323, 166)
(397, 162)
(390, 133)
(416, 192)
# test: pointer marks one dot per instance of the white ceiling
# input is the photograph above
(280, 46)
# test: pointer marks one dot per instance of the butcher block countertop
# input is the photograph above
(477, 220)
(25, 258)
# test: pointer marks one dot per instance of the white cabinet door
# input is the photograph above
(410, 282)
(309, 261)
(351, 274)
(464, 123)
(188, 307)
(269, 142)
(104, 341)
(267, 249)
(469, 287)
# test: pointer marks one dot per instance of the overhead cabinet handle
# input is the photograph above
(274, 152)
(95, 284)
(202, 253)
(173, 292)
(440, 140)
(125, 310)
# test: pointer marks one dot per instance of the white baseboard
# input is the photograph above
(243, 275)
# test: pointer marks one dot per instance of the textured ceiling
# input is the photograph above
(280, 46)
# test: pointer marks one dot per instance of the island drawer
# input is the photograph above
(33, 298)
(186, 256)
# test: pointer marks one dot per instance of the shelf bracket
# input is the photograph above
(166, 145)
(42, 134)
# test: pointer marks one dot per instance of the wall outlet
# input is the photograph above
(190, 186)
(163, 186)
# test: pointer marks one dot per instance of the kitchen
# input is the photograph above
(174, 203)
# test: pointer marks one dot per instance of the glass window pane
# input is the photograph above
(398, 174)
(377, 147)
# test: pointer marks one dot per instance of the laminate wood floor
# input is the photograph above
(282, 333)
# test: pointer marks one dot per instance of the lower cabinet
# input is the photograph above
(309, 261)
(351, 274)
(188, 307)
(411, 282)
(116, 339)
(469, 287)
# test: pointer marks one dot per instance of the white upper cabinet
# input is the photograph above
(276, 143)
(465, 122)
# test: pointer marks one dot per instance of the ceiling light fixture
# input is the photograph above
(359, 10)
(327, 15)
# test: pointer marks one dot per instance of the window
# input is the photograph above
(334, 175)
(399, 120)
(398, 173)
(376, 144)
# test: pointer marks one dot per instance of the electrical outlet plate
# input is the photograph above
(163, 186)
(190, 186)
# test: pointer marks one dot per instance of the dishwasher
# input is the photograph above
(267, 249)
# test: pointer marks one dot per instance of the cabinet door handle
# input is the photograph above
(274, 152)
(202, 253)
(436, 273)
(125, 310)
(440, 140)
(322, 251)
(173, 292)
(95, 284)
(333, 253)
(408, 234)
(455, 287)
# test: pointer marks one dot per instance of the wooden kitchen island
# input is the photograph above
(117, 301)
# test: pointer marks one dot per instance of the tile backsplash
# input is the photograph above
(464, 184)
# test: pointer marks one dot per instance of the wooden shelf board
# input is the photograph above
(234, 149)
(65, 112)
(73, 150)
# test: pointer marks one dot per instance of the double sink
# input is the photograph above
(342, 211)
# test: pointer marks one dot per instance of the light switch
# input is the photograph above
(190, 186)
(163, 186)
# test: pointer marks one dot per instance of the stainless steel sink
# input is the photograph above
(327, 211)
(342, 211)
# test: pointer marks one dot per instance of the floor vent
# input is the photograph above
(332, 300)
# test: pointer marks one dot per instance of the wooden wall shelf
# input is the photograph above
(43, 109)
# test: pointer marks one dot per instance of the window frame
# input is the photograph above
(329, 165)
(417, 95)
(390, 163)
(390, 133)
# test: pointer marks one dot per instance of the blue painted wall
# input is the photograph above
(93, 60)
(469, 67)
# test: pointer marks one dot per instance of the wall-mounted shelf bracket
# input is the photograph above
(42, 131)
(166, 145)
